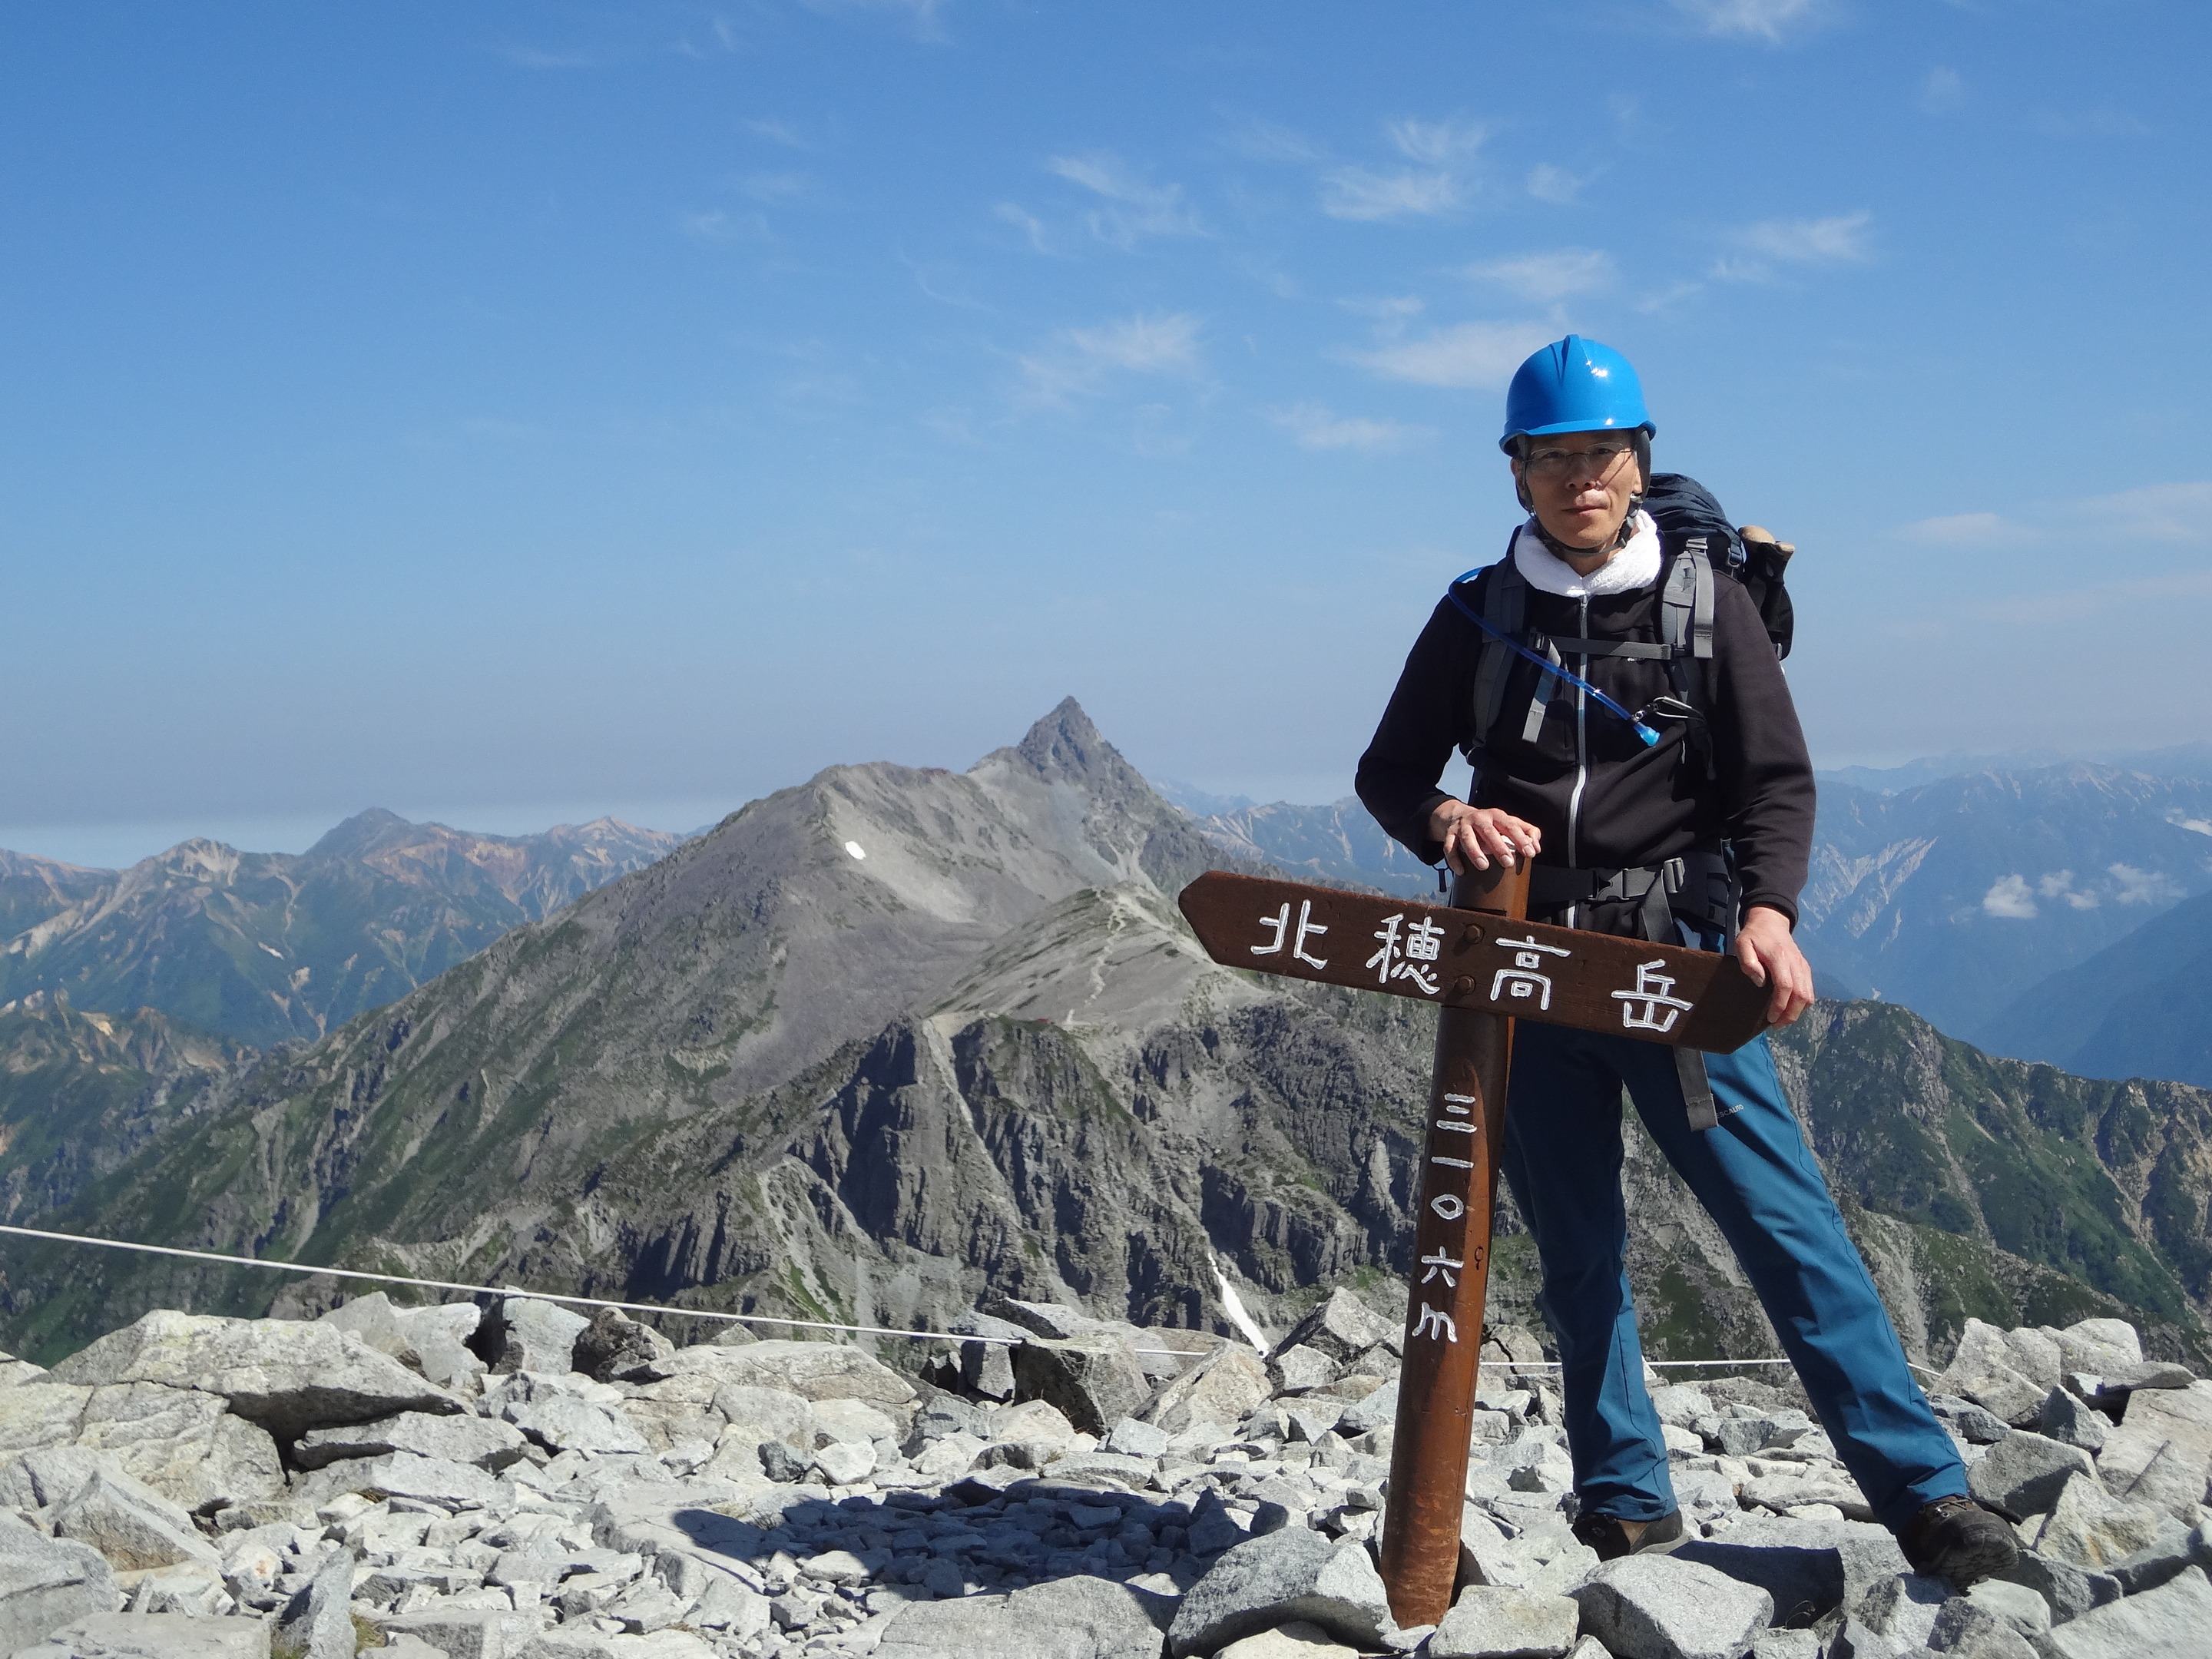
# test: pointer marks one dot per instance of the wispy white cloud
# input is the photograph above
(1941, 91)
(549, 58)
(1552, 275)
(1810, 241)
(2162, 512)
(1385, 308)
(775, 186)
(1479, 356)
(1547, 183)
(1256, 140)
(1313, 426)
(2092, 124)
(1079, 361)
(1840, 239)
(2176, 513)
(924, 18)
(1436, 144)
(2146, 886)
(1360, 193)
(1760, 20)
(1964, 530)
(1136, 207)
(720, 225)
(779, 132)
(1667, 298)
(1028, 223)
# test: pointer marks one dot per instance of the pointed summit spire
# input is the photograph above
(1065, 744)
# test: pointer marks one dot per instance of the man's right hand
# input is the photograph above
(1473, 836)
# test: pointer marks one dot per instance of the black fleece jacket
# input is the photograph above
(1636, 806)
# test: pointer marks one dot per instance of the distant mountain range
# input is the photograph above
(267, 946)
(1957, 895)
(2187, 760)
(896, 1036)
(2140, 1008)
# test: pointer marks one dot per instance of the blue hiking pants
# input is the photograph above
(1756, 1178)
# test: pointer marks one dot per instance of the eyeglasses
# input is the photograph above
(1598, 459)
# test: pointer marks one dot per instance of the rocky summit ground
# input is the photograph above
(515, 1483)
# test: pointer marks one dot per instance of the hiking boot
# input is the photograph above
(1613, 1537)
(1960, 1540)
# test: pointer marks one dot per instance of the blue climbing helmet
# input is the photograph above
(1574, 385)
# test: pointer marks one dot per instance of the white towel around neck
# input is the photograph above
(1636, 566)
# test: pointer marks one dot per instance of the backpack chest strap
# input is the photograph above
(1636, 648)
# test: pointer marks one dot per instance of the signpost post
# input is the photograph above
(1484, 966)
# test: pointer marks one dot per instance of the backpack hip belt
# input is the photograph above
(1699, 886)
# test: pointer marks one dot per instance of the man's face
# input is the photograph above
(1580, 484)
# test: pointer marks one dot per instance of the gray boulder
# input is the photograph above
(2165, 1560)
(615, 1348)
(757, 1413)
(431, 1340)
(1378, 1410)
(155, 1636)
(401, 1474)
(1486, 1623)
(1656, 1607)
(522, 1333)
(1967, 1630)
(1809, 1567)
(2017, 1605)
(1092, 1379)
(557, 1416)
(1291, 1574)
(459, 1633)
(1223, 1387)
(46, 1583)
(987, 1368)
(2173, 1621)
(1056, 1321)
(1343, 1328)
(2069, 1591)
(814, 1370)
(2089, 1528)
(288, 1377)
(1904, 1608)
(1078, 1618)
(2025, 1473)
(2161, 1453)
(2072, 1421)
(1297, 1368)
(486, 1441)
(186, 1444)
(131, 1526)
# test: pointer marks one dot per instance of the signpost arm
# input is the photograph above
(1451, 1270)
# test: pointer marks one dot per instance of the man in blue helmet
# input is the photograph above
(1641, 750)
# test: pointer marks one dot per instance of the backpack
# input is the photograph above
(1695, 539)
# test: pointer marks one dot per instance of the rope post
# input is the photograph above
(1450, 1274)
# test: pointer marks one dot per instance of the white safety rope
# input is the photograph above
(687, 1313)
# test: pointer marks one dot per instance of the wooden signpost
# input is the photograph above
(1485, 966)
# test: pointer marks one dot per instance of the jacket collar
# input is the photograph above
(1635, 567)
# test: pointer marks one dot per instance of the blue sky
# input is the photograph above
(513, 412)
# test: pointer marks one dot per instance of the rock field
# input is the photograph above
(515, 1483)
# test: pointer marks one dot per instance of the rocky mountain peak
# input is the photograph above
(1066, 747)
(359, 834)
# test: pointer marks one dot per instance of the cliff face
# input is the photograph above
(896, 1037)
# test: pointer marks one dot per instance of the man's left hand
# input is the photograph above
(1770, 955)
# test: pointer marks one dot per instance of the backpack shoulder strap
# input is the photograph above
(1686, 601)
(1504, 607)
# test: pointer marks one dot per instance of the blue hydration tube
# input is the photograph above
(1649, 737)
